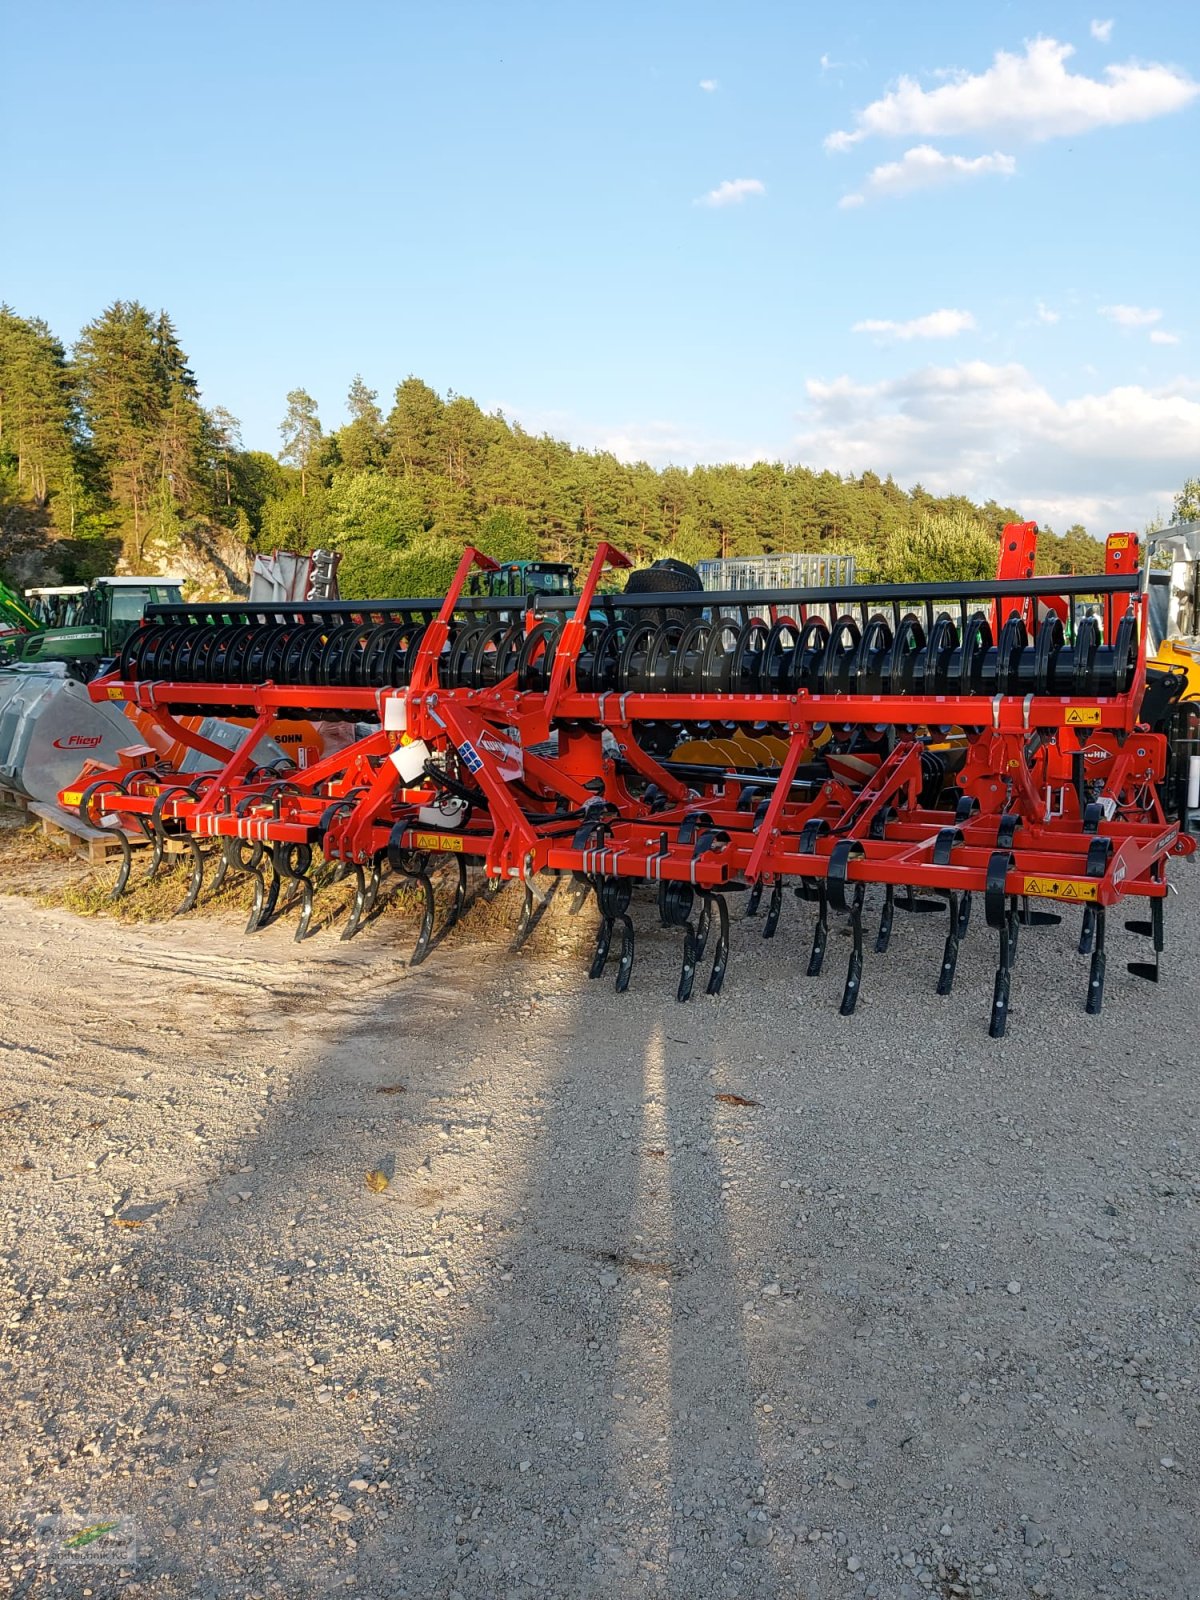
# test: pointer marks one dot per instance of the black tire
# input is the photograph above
(667, 576)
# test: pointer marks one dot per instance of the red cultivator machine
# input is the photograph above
(933, 745)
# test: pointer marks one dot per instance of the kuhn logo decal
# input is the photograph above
(79, 741)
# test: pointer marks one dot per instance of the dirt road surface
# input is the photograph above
(738, 1298)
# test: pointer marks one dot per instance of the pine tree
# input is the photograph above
(301, 432)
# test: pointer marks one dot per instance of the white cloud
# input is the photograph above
(924, 167)
(1131, 316)
(732, 192)
(1161, 336)
(1031, 96)
(1102, 31)
(1045, 314)
(1107, 459)
(934, 325)
(709, 85)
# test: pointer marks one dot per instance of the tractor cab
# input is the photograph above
(513, 578)
(87, 625)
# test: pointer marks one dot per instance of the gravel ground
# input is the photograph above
(738, 1298)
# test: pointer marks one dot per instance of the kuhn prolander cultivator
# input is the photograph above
(928, 745)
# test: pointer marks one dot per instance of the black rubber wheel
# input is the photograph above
(667, 576)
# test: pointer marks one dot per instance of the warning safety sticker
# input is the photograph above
(1062, 888)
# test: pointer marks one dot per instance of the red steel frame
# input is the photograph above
(1016, 779)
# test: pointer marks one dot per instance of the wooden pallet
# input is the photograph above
(13, 800)
(96, 845)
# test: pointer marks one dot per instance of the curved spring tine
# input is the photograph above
(359, 904)
(721, 957)
(372, 889)
(342, 870)
(272, 897)
(1095, 996)
(695, 941)
(753, 903)
(299, 888)
(306, 907)
(820, 932)
(1003, 988)
(884, 937)
(774, 907)
(603, 941)
(260, 899)
(222, 871)
(156, 857)
(525, 920)
(421, 948)
(580, 898)
(854, 970)
(196, 881)
(460, 893)
(625, 964)
(945, 981)
(691, 955)
(122, 882)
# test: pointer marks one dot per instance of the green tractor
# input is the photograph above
(83, 625)
(525, 577)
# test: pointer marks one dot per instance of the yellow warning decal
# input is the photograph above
(439, 841)
(70, 797)
(115, 692)
(1062, 888)
(1083, 714)
(1118, 541)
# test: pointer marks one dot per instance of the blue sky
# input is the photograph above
(525, 203)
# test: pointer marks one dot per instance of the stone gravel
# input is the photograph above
(739, 1298)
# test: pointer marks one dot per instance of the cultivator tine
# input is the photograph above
(533, 907)
(581, 890)
(460, 892)
(752, 904)
(721, 955)
(266, 896)
(1087, 931)
(816, 957)
(291, 863)
(1153, 930)
(358, 905)
(951, 952)
(612, 897)
(774, 907)
(960, 916)
(1095, 992)
(855, 968)
(603, 943)
(195, 881)
(428, 912)
(1001, 913)
(220, 874)
(884, 937)
(525, 920)
(1003, 987)
(675, 905)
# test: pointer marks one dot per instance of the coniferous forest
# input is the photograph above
(110, 454)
